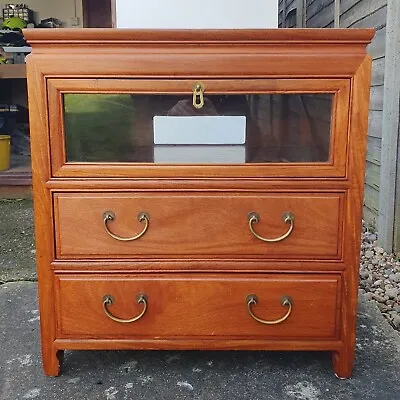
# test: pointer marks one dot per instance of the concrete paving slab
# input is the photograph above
(17, 248)
(200, 375)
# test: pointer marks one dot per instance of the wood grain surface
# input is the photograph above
(188, 224)
(207, 307)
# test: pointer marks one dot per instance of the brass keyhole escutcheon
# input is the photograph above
(198, 95)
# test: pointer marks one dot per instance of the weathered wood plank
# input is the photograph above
(389, 212)
(281, 13)
(280, 18)
(323, 17)
(336, 12)
(372, 175)
(375, 124)
(345, 5)
(321, 13)
(353, 13)
(371, 198)
(285, 10)
(378, 72)
(359, 11)
(291, 18)
(374, 150)
(375, 20)
(317, 7)
(301, 14)
(370, 217)
(362, 14)
(378, 44)
(290, 4)
(376, 98)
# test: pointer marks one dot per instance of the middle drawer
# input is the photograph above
(273, 225)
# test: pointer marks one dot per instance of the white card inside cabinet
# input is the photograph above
(200, 130)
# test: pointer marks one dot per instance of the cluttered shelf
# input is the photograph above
(15, 163)
(15, 169)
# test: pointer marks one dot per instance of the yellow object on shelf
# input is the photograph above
(5, 152)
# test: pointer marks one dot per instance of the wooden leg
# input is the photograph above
(52, 362)
(342, 364)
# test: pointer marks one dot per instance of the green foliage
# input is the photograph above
(99, 127)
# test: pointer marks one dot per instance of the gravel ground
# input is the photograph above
(380, 278)
(379, 271)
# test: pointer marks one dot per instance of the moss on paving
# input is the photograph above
(17, 249)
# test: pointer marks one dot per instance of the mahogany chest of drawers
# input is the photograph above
(198, 189)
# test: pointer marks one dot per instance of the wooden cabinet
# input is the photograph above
(198, 189)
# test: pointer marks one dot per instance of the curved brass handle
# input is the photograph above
(285, 301)
(254, 218)
(142, 217)
(108, 299)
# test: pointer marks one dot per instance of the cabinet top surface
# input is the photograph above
(257, 36)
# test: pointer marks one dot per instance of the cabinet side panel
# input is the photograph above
(40, 151)
(343, 360)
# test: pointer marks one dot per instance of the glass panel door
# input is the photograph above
(173, 129)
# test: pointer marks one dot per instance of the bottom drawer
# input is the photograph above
(207, 306)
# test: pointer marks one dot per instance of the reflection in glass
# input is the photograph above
(279, 128)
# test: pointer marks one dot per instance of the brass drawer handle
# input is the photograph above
(254, 218)
(109, 299)
(142, 217)
(285, 301)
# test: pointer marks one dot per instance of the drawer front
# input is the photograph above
(191, 224)
(208, 306)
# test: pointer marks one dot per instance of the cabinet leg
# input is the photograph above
(52, 362)
(342, 364)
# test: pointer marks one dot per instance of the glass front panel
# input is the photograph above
(255, 128)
